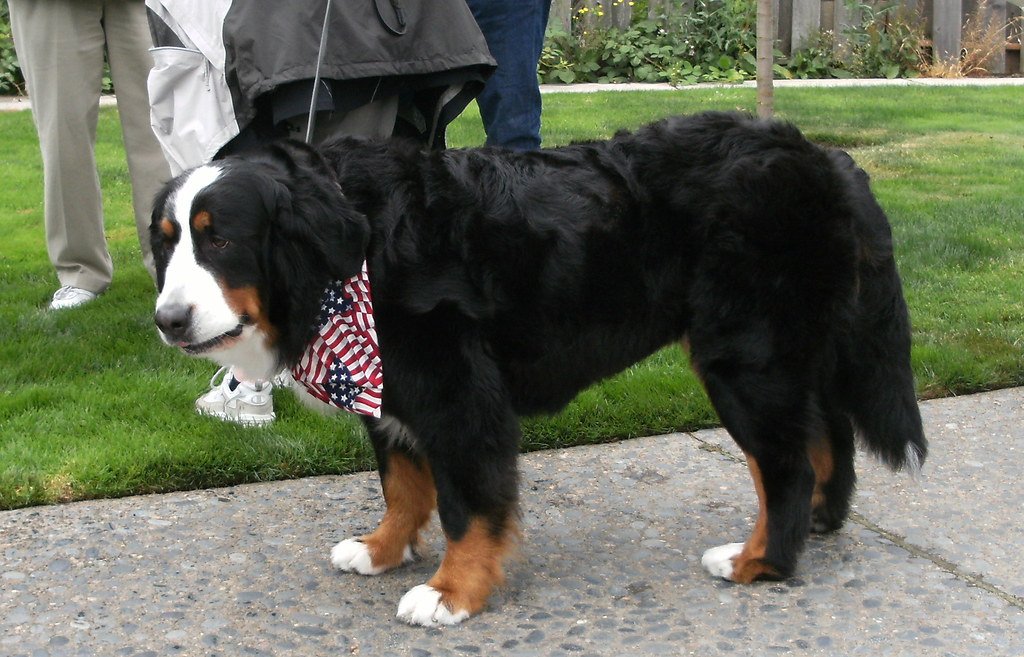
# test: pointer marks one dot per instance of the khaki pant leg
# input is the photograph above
(60, 47)
(128, 44)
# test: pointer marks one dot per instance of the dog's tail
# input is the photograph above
(874, 375)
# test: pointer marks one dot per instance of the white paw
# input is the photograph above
(422, 606)
(718, 560)
(352, 556)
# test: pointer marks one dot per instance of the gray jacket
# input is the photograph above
(223, 66)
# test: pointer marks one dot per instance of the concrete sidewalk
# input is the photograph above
(610, 562)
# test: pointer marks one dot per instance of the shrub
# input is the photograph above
(641, 53)
(11, 81)
(883, 41)
(715, 41)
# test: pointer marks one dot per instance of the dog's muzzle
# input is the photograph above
(175, 323)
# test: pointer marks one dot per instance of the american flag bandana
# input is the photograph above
(341, 365)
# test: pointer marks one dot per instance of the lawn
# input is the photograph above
(92, 405)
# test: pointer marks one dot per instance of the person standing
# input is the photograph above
(510, 104)
(224, 83)
(60, 45)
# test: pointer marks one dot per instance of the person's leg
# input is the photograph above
(510, 104)
(60, 47)
(374, 120)
(128, 43)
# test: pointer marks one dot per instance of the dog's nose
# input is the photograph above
(174, 320)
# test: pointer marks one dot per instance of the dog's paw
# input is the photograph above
(422, 605)
(353, 556)
(719, 560)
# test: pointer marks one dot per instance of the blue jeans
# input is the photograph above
(510, 104)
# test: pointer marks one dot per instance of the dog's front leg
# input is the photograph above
(474, 468)
(471, 570)
(410, 497)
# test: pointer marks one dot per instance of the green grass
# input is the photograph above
(92, 405)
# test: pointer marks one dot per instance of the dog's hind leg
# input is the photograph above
(831, 455)
(768, 419)
(410, 496)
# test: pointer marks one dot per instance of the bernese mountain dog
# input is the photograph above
(502, 283)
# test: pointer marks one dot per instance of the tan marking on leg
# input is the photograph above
(685, 344)
(820, 454)
(749, 564)
(411, 497)
(472, 566)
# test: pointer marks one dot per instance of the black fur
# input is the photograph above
(504, 283)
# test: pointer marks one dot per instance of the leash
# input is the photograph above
(311, 121)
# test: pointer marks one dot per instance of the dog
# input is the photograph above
(502, 283)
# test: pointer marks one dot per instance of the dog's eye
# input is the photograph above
(218, 242)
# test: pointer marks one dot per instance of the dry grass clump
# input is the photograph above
(984, 35)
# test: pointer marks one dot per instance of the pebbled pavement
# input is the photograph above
(609, 564)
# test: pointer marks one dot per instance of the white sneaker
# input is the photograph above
(69, 296)
(249, 404)
(283, 379)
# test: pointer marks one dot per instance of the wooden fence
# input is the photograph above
(797, 21)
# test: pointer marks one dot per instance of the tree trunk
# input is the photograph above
(765, 48)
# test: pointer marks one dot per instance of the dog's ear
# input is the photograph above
(310, 211)
(158, 234)
(315, 236)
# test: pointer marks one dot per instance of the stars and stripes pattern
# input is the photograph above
(341, 366)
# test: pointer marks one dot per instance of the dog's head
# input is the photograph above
(243, 248)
